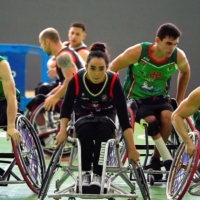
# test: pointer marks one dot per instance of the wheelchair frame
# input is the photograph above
(28, 156)
(182, 171)
(172, 144)
(109, 174)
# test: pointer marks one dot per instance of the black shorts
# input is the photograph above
(153, 109)
(3, 113)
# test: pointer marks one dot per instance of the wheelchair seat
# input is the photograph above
(172, 144)
(112, 168)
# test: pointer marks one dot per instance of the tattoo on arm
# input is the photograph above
(65, 61)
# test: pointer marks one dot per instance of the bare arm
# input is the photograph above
(183, 76)
(51, 65)
(187, 107)
(10, 94)
(61, 138)
(84, 54)
(129, 56)
(133, 154)
(51, 62)
(65, 62)
(54, 90)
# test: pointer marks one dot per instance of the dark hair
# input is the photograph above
(51, 34)
(78, 25)
(168, 29)
(98, 50)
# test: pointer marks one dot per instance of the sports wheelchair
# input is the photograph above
(115, 156)
(172, 144)
(184, 171)
(52, 119)
(28, 156)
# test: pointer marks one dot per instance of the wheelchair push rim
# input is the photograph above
(53, 166)
(53, 129)
(182, 170)
(29, 155)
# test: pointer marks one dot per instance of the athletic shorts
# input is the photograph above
(151, 109)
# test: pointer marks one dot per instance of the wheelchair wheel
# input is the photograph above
(195, 189)
(27, 113)
(141, 181)
(52, 168)
(52, 119)
(182, 170)
(29, 155)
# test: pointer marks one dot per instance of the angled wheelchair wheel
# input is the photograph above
(29, 155)
(52, 168)
(182, 170)
(194, 190)
(141, 181)
(47, 138)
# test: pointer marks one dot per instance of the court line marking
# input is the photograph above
(3, 134)
(143, 137)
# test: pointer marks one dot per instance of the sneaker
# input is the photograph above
(86, 179)
(167, 164)
(96, 180)
(156, 165)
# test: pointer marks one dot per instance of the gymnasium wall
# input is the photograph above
(119, 23)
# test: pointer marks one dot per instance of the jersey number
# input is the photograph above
(155, 75)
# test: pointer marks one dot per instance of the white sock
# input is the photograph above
(164, 152)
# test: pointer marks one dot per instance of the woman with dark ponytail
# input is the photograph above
(96, 96)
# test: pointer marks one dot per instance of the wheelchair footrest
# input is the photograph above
(5, 183)
(94, 196)
(150, 166)
(91, 190)
(151, 171)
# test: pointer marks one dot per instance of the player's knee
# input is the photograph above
(166, 118)
(153, 128)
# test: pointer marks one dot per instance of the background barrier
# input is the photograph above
(16, 54)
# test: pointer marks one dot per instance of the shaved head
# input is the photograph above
(50, 33)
